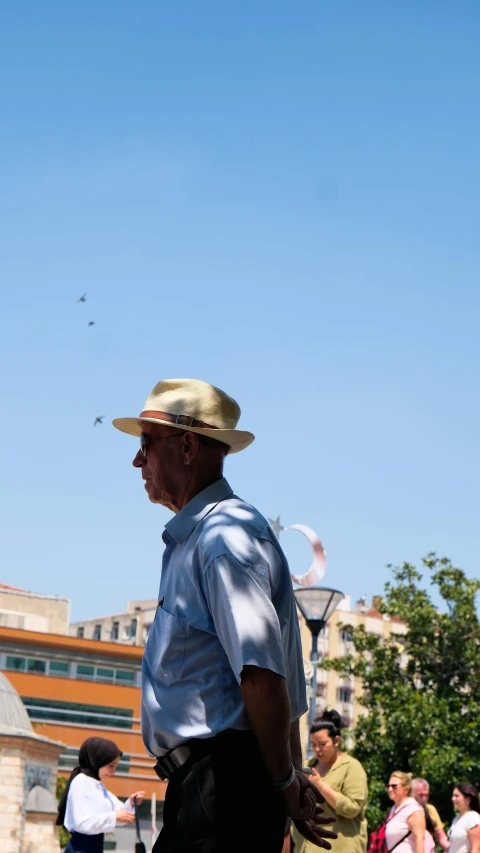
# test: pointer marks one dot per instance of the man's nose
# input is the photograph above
(139, 460)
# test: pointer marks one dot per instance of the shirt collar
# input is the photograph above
(182, 524)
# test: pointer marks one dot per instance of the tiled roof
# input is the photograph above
(377, 615)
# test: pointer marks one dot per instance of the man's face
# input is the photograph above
(421, 792)
(160, 467)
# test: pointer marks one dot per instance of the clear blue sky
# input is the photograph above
(280, 198)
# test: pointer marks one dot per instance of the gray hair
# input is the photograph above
(419, 781)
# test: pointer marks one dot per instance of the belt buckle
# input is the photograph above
(167, 764)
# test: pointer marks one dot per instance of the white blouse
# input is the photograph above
(91, 809)
(458, 833)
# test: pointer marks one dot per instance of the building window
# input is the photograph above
(80, 631)
(97, 632)
(17, 664)
(130, 631)
(69, 759)
(84, 671)
(55, 711)
(103, 674)
(346, 634)
(38, 666)
(115, 630)
(124, 677)
(57, 667)
(344, 694)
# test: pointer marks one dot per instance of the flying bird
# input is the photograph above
(91, 323)
(98, 420)
(82, 298)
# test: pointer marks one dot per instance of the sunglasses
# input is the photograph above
(387, 787)
(146, 441)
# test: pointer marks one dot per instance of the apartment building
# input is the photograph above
(333, 690)
(129, 628)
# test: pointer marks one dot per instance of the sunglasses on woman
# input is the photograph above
(387, 787)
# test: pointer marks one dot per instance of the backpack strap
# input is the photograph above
(398, 842)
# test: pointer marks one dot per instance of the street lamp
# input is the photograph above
(316, 604)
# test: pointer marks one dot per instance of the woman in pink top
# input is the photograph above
(406, 830)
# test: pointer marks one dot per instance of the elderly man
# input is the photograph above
(421, 792)
(223, 685)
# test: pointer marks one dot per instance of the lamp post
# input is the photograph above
(316, 604)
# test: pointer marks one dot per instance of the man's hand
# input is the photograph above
(312, 831)
(267, 704)
(301, 802)
(308, 782)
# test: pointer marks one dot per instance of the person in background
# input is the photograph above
(87, 809)
(406, 827)
(342, 781)
(464, 833)
(421, 792)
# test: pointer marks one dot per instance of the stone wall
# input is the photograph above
(41, 834)
(12, 798)
(23, 761)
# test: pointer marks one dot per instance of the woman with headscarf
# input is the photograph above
(87, 809)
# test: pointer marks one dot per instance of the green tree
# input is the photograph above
(64, 836)
(421, 689)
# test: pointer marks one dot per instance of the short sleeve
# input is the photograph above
(410, 808)
(434, 817)
(245, 619)
(471, 819)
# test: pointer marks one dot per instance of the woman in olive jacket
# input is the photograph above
(342, 780)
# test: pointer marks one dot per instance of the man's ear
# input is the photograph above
(190, 448)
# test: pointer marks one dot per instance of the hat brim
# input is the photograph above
(236, 439)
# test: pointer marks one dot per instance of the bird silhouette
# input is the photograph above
(91, 323)
(98, 420)
(82, 298)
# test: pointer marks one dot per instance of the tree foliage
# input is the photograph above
(421, 689)
(63, 835)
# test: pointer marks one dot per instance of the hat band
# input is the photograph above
(181, 420)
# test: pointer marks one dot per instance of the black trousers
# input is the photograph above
(222, 801)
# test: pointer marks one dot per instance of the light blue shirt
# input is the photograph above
(226, 600)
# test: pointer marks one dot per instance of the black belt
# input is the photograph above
(176, 758)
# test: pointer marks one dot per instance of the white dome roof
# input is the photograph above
(13, 714)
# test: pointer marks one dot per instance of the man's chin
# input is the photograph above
(150, 490)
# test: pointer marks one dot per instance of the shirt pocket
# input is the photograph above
(165, 647)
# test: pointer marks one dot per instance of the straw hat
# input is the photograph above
(193, 406)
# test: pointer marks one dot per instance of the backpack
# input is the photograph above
(378, 843)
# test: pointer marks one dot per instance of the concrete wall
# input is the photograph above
(53, 613)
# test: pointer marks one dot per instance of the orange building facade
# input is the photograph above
(74, 688)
